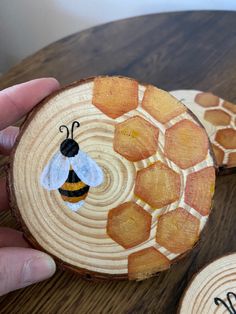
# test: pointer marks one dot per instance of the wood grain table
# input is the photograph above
(191, 50)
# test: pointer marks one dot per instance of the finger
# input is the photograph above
(20, 267)
(7, 139)
(12, 238)
(4, 203)
(17, 100)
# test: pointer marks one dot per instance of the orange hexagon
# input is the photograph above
(115, 96)
(129, 224)
(135, 139)
(200, 188)
(161, 105)
(186, 144)
(232, 160)
(146, 262)
(207, 100)
(177, 230)
(219, 154)
(217, 117)
(230, 106)
(157, 185)
(226, 138)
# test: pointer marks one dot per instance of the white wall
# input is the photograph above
(28, 25)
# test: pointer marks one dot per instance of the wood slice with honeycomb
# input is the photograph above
(218, 116)
(213, 289)
(113, 178)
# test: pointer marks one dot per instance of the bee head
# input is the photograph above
(69, 147)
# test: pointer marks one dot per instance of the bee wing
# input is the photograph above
(55, 172)
(87, 169)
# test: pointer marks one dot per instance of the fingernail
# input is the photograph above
(37, 269)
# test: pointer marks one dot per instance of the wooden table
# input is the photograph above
(173, 51)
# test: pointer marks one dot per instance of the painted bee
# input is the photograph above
(71, 171)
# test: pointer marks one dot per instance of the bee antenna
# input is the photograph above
(61, 130)
(75, 123)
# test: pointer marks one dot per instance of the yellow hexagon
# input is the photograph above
(115, 96)
(145, 263)
(200, 186)
(186, 144)
(177, 230)
(226, 138)
(217, 117)
(157, 185)
(136, 139)
(129, 224)
(161, 105)
(207, 100)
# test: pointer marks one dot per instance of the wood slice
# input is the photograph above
(219, 119)
(124, 189)
(213, 289)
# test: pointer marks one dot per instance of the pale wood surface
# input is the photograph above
(173, 51)
(213, 284)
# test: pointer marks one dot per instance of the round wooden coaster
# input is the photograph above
(113, 178)
(219, 119)
(213, 289)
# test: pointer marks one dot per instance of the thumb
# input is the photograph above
(20, 267)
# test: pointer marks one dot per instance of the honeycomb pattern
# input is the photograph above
(218, 116)
(177, 230)
(138, 138)
(162, 149)
(132, 142)
(225, 138)
(129, 224)
(186, 148)
(157, 185)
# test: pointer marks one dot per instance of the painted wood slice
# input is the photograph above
(219, 119)
(113, 178)
(213, 289)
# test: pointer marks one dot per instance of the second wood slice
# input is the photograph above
(218, 116)
(113, 178)
(213, 289)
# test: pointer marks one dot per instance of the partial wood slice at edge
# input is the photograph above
(88, 274)
(212, 109)
(210, 286)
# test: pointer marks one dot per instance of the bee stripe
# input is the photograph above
(73, 199)
(75, 193)
(72, 177)
(73, 186)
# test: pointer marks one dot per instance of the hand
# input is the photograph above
(20, 265)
